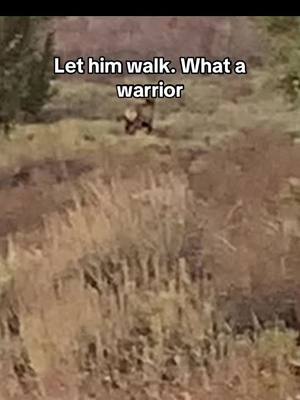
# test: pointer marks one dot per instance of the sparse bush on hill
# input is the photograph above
(25, 56)
(284, 38)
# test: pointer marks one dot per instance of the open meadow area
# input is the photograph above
(153, 267)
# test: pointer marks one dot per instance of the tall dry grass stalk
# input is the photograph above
(111, 295)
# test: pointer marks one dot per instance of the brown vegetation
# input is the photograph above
(138, 288)
(147, 268)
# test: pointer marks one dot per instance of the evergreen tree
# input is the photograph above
(26, 52)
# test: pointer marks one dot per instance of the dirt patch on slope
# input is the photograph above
(36, 189)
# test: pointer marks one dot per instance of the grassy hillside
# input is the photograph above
(152, 267)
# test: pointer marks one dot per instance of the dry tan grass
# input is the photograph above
(110, 303)
(113, 302)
